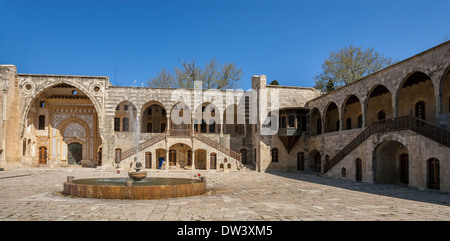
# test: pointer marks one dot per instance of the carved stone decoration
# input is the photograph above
(74, 130)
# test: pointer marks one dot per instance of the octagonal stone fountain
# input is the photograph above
(137, 186)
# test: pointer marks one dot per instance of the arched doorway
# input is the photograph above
(75, 153)
(69, 113)
(315, 127)
(153, 118)
(331, 118)
(180, 155)
(433, 173)
(351, 113)
(391, 163)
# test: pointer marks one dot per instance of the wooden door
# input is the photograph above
(358, 170)
(404, 172)
(433, 174)
(172, 157)
(148, 160)
(42, 155)
(300, 161)
(213, 161)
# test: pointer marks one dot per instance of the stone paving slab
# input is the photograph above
(35, 194)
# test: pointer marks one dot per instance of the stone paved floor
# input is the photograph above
(35, 194)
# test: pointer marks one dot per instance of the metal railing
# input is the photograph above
(181, 133)
(429, 130)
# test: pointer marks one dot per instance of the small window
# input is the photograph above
(381, 115)
(74, 92)
(149, 128)
(116, 124)
(275, 155)
(420, 110)
(360, 121)
(126, 124)
(42, 122)
(118, 107)
(291, 121)
(125, 107)
(42, 104)
(349, 123)
(343, 172)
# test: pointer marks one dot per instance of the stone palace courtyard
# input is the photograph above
(35, 194)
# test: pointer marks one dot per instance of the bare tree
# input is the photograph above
(213, 75)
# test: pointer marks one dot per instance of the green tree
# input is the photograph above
(274, 82)
(213, 75)
(348, 65)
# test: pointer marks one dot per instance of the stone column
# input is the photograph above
(193, 159)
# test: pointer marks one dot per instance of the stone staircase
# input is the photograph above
(182, 133)
(429, 130)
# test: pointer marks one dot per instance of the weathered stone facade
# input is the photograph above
(61, 120)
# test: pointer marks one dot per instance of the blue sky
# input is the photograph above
(285, 40)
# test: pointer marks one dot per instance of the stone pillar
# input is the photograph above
(193, 159)
(167, 159)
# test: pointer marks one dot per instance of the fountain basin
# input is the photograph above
(137, 176)
(148, 188)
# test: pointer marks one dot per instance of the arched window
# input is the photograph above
(42, 122)
(359, 121)
(275, 155)
(343, 172)
(420, 110)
